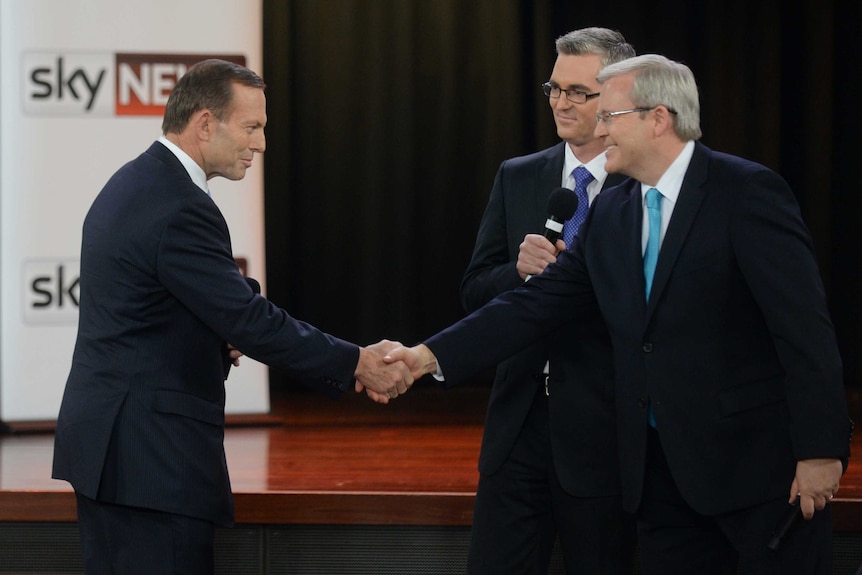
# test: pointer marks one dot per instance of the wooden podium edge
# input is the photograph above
(50, 426)
(279, 508)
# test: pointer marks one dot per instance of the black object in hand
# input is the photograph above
(783, 529)
(562, 204)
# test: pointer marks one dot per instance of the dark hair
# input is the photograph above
(208, 85)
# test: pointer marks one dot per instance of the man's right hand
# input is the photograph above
(381, 380)
(419, 359)
(536, 252)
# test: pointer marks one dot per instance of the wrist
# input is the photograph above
(361, 362)
(427, 359)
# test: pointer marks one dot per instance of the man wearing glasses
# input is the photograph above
(548, 464)
(729, 394)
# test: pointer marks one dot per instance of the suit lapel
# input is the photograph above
(631, 216)
(691, 197)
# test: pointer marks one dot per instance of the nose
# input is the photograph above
(561, 103)
(258, 143)
(601, 130)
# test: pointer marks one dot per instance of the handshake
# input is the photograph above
(387, 369)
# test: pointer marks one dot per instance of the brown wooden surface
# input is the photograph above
(314, 461)
(347, 461)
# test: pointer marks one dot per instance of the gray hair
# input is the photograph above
(609, 44)
(659, 81)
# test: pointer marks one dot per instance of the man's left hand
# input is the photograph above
(815, 484)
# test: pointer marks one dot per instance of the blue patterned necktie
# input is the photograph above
(570, 229)
(653, 204)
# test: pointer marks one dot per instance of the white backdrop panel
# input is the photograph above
(64, 129)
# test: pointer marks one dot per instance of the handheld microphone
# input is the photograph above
(226, 361)
(783, 529)
(562, 204)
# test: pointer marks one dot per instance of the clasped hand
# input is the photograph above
(381, 380)
(411, 362)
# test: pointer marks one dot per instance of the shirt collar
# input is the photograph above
(196, 173)
(596, 166)
(670, 182)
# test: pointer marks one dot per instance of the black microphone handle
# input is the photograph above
(562, 205)
(551, 233)
(783, 529)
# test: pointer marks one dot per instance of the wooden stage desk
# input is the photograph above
(348, 462)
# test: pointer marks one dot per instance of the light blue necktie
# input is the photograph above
(653, 204)
(570, 229)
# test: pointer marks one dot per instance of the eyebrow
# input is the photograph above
(571, 86)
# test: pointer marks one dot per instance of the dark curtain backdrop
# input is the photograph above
(388, 120)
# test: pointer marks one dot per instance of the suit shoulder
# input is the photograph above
(618, 190)
(158, 175)
(726, 168)
(736, 163)
(149, 188)
(546, 155)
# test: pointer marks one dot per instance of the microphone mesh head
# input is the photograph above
(562, 204)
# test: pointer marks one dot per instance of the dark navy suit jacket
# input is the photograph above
(735, 349)
(142, 417)
(581, 407)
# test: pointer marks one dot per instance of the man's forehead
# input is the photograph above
(615, 87)
(582, 68)
(248, 102)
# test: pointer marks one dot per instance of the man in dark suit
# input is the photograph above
(729, 393)
(548, 464)
(141, 426)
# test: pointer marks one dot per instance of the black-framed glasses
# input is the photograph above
(606, 117)
(573, 95)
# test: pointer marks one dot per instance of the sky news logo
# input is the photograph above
(51, 291)
(102, 83)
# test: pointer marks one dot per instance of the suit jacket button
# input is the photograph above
(642, 403)
(647, 347)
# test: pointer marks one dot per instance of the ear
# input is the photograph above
(203, 125)
(663, 119)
